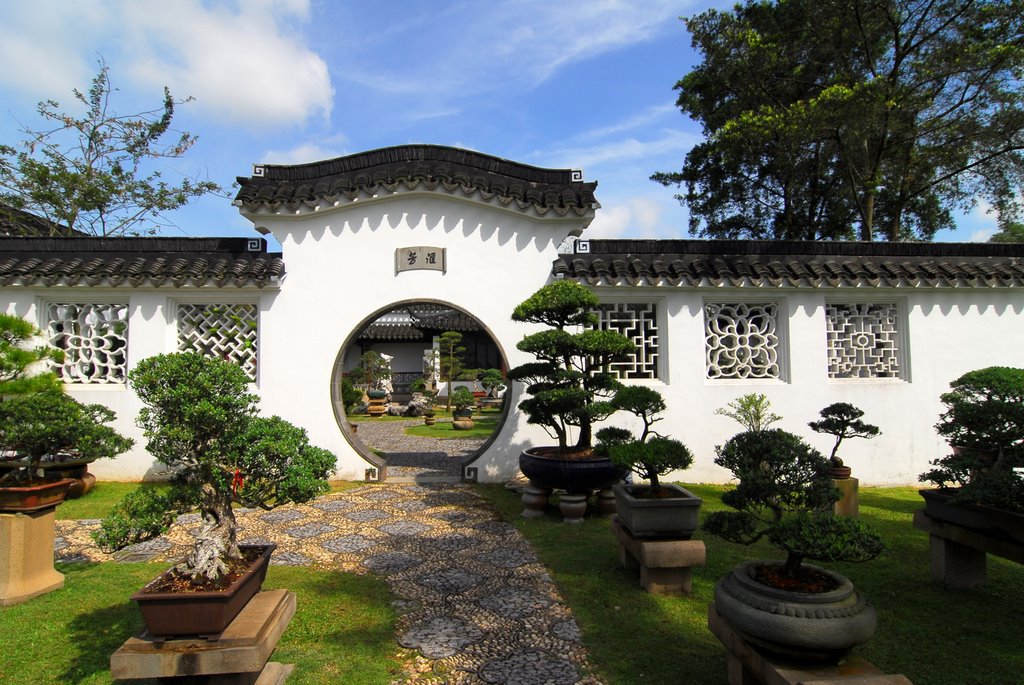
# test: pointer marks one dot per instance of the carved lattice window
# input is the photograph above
(742, 340)
(639, 323)
(227, 331)
(94, 338)
(863, 340)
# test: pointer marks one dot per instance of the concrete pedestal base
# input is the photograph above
(748, 666)
(239, 657)
(26, 556)
(665, 565)
(849, 503)
(958, 553)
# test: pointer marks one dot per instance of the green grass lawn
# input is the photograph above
(932, 635)
(344, 628)
(342, 632)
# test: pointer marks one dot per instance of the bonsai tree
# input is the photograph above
(650, 455)
(48, 426)
(19, 360)
(785, 494)
(984, 421)
(462, 399)
(843, 421)
(201, 421)
(569, 384)
(492, 381)
(372, 371)
(450, 363)
(429, 397)
(350, 395)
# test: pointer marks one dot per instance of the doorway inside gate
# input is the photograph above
(414, 352)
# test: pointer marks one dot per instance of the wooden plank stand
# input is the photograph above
(665, 564)
(239, 657)
(958, 553)
(749, 666)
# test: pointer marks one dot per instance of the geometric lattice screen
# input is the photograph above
(226, 331)
(94, 338)
(741, 340)
(639, 323)
(863, 340)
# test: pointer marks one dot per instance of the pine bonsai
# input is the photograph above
(843, 421)
(650, 455)
(20, 361)
(569, 384)
(201, 421)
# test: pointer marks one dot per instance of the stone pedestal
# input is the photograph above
(535, 501)
(605, 501)
(573, 507)
(665, 565)
(239, 657)
(958, 553)
(748, 666)
(849, 503)
(26, 556)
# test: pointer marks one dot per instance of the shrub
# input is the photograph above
(984, 422)
(785, 494)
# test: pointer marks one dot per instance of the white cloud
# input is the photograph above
(246, 62)
(306, 152)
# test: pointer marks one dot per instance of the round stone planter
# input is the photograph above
(820, 627)
(546, 469)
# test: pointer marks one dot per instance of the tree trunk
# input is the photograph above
(216, 540)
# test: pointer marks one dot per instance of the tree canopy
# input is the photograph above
(93, 173)
(867, 119)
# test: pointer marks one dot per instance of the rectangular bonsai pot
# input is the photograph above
(27, 499)
(675, 516)
(201, 614)
(942, 506)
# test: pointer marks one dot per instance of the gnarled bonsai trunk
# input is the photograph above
(216, 540)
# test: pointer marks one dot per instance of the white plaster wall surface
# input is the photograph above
(341, 274)
(946, 333)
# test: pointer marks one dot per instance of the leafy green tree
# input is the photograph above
(820, 115)
(19, 373)
(93, 174)
(1009, 232)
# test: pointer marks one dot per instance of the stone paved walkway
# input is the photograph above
(474, 602)
(416, 459)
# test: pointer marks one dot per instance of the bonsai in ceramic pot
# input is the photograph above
(976, 485)
(656, 510)
(569, 387)
(462, 401)
(785, 495)
(843, 421)
(200, 419)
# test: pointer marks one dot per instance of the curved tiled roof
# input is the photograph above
(135, 262)
(318, 185)
(739, 263)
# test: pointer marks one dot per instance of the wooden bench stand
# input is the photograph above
(958, 553)
(239, 657)
(665, 564)
(749, 666)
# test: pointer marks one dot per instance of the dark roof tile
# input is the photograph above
(133, 262)
(417, 167)
(694, 263)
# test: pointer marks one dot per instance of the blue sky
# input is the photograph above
(569, 84)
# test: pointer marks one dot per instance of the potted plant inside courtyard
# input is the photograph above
(462, 401)
(785, 495)
(656, 509)
(423, 400)
(976, 485)
(200, 420)
(569, 388)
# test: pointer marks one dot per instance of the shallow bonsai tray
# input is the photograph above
(201, 614)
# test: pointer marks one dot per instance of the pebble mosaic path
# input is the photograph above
(474, 603)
